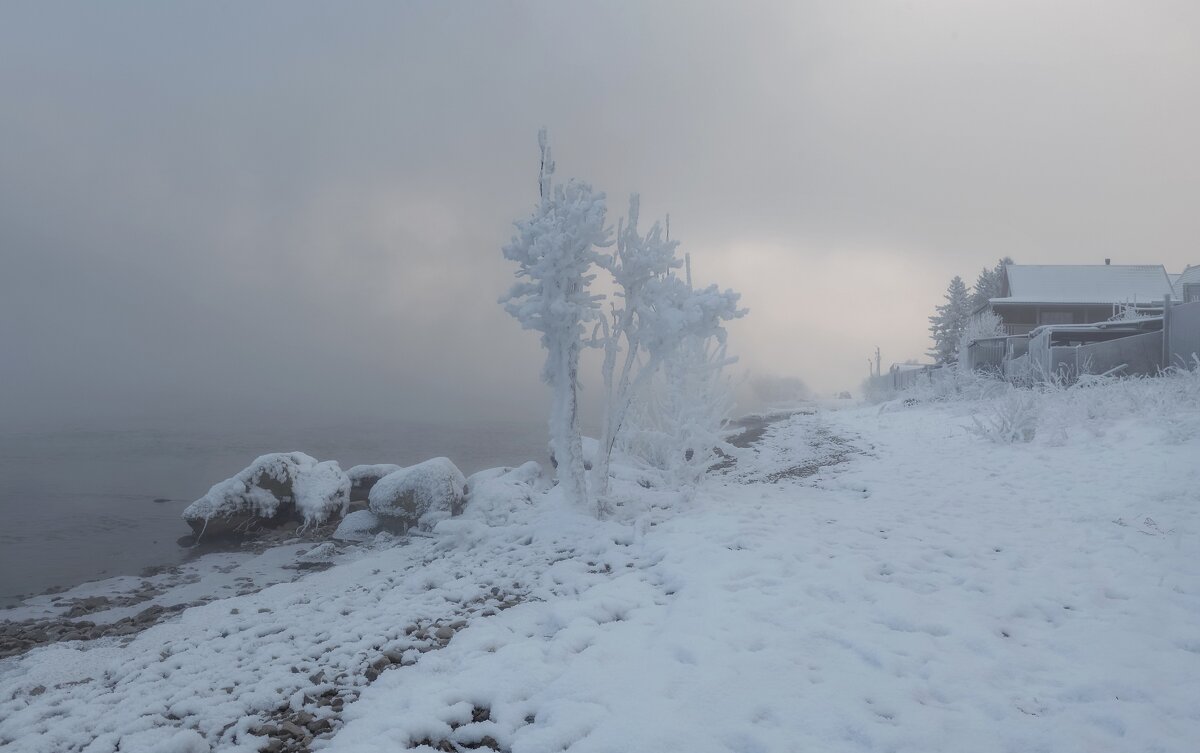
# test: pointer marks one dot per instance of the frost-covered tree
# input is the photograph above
(555, 250)
(948, 322)
(989, 284)
(979, 326)
(676, 423)
(659, 313)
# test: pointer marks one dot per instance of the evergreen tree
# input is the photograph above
(989, 284)
(949, 321)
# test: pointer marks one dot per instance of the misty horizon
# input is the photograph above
(297, 214)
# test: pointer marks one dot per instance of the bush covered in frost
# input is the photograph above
(1054, 409)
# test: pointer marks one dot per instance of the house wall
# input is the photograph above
(1183, 335)
(1019, 319)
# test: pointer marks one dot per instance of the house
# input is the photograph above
(1032, 295)
(1187, 285)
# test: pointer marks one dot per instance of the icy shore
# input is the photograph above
(866, 579)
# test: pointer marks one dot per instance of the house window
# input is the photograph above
(1056, 317)
(1191, 292)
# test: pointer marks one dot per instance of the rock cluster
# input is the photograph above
(17, 637)
(290, 490)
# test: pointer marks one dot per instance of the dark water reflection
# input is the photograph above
(80, 505)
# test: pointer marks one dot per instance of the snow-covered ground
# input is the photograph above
(868, 579)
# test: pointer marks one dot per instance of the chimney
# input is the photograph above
(1107, 262)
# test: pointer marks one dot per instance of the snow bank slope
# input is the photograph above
(865, 581)
(879, 596)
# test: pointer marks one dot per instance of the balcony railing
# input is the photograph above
(1018, 329)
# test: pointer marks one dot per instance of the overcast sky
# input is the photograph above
(296, 208)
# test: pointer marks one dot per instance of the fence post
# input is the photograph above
(1166, 333)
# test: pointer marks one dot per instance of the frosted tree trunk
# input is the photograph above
(555, 250)
(621, 397)
(564, 425)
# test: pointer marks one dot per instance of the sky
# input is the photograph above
(218, 212)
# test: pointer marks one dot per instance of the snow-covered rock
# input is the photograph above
(364, 477)
(319, 554)
(495, 495)
(276, 471)
(257, 493)
(321, 491)
(420, 495)
(360, 525)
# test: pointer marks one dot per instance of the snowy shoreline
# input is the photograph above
(866, 578)
(128, 604)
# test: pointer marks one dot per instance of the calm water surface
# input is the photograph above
(81, 505)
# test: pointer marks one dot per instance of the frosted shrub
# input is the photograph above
(1095, 401)
(676, 424)
(662, 320)
(986, 324)
(952, 383)
(1012, 418)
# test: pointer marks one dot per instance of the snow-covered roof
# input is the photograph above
(1132, 325)
(1190, 276)
(1086, 283)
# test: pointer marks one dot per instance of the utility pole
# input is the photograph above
(878, 363)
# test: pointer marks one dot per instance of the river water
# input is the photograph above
(81, 505)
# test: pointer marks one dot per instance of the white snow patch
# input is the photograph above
(321, 491)
(495, 496)
(360, 473)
